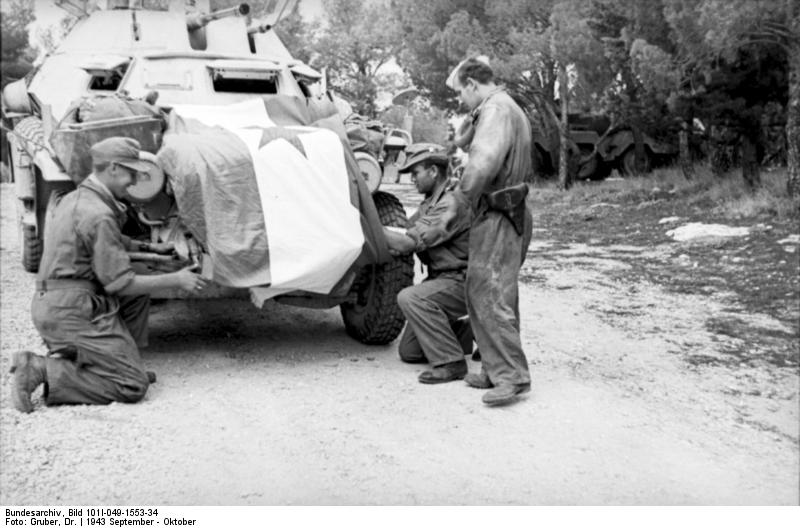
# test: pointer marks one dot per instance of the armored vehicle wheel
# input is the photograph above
(31, 249)
(627, 165)
(375, 318)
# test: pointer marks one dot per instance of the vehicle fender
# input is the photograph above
(584, 137)
(376, 249)
(614, 143)
(24, 182)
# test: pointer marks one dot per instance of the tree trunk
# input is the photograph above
(793, 125)
(684, 155)
(564, 177)
(751, 171)
(549, 74)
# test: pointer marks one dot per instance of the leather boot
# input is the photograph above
(479, 381)
(444, 373)
(505, 393)
(29, 372)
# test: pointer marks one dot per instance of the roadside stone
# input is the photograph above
(698, 230)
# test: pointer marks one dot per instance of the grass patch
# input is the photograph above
(727, 196)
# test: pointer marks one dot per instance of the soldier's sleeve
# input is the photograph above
(130, 244)
(110, 261)
(494, 136)
(413, 218)
(448, 218)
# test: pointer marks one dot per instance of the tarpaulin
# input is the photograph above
(275, 203)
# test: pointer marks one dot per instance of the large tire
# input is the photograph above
(627, 163)
(375, 318)
(31, 249)
(31, 244)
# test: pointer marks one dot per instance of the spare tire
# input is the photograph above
(375, 318)
(31, 248)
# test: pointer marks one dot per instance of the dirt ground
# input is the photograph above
(649, 387)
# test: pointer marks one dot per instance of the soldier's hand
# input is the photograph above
(190, 281)
(162, 248)
(398, 243)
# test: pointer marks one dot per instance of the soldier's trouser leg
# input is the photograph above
(135, 311)
(107, 366)
(496, 253)
(409, 347)
(431, 308)
(411, 351)
(463, 331)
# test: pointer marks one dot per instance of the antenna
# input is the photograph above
(280, 14)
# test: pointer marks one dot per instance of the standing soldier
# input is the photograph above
(90, 307)
(439, 234)
(494, 183)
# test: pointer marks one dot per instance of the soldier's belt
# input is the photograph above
(511, 203)
(455, 273)
(67, 284)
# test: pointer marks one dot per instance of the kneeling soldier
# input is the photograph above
(90, 306)
(439, 233)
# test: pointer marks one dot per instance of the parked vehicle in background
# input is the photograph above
(595, 147)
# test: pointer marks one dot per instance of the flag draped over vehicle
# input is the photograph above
(274, 201)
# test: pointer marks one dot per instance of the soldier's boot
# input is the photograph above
(505, 393)
(479, 381)
(444, 373)
(29, 372)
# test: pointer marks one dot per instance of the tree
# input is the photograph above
(529, 43)
(357, 39)
(17, 55)
(48, 38)
(791, 37)
(734, 59)
(434, 38)
(295, 33)
(637, 49)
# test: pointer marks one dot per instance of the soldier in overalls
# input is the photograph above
(494, 183)
(438, 232)
(90, 307)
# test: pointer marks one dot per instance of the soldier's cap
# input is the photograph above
(419, 152)
(121, 150)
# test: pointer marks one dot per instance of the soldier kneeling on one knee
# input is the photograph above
(90, 306)
(437, 331)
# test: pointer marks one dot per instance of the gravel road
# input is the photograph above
(279, 406)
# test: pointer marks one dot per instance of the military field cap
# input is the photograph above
(419, 152)
(121, 150)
